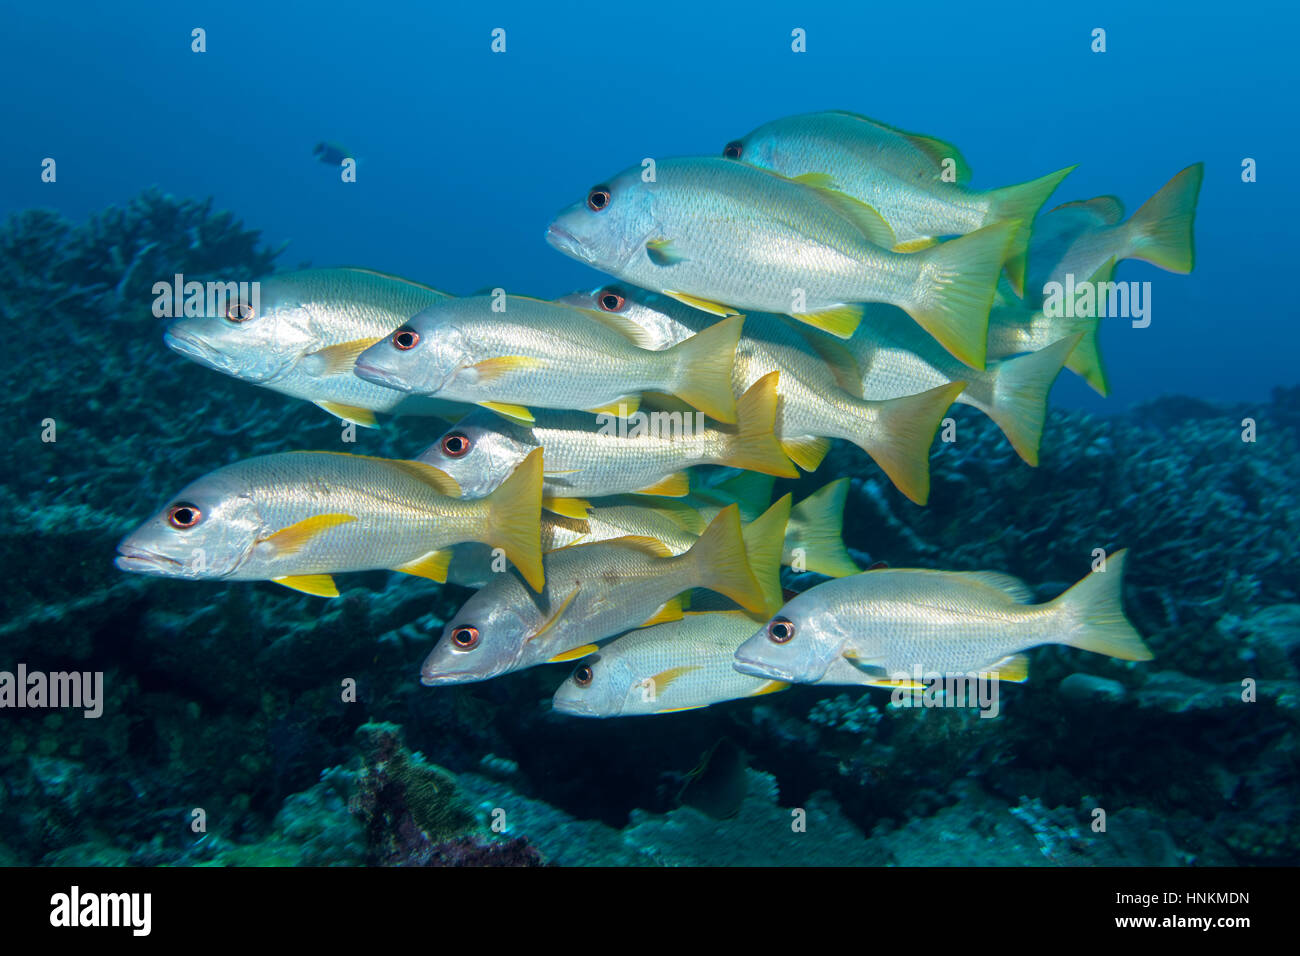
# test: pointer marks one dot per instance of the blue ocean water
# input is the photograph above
(465, 154)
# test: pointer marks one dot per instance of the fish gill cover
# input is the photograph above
(708, 504)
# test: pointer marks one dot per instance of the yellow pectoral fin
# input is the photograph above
(568, 507)
(816, 180)
(574, 654)
(351, 413)
(555, 616)
(432, 566)
(294, 538)
(321, 585)
(491, 369)
(516, 413)
(659, 682)
(704, 305)
(340, 359)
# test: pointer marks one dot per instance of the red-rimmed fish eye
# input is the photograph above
(611, 300)
(598, 198)
(456, 445)
(465, 637)
(183, 516)
(734, 150)
(405, 339)
(239, 312)
(582, 675)
(780, 631)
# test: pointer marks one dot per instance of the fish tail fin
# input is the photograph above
(902, 431)
(754, 446)
(1022, 202)
(818, 523)
(721, 563)
(514, 519)
(764, 545)
(704, 365)
(1095, 615)
(1020, 389)
(960, 277)
(1161, 231)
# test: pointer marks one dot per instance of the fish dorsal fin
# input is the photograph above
(321, 585)
(432, 566)
(350, 413)
(671, 611)
(842, 363)
(645, 544)
(341, 358)
(939, 151)
(1108, 209)
(865, 218)
(704, 305)
(392, 278)
(1014, 668)
(634, 332)
(1012, 587)
(516, 413)
(294, 538)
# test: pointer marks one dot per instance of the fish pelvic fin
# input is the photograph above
(1022, 202)
(754, 446)
(722, 565)
(764, 539)
(321, 585)
(1160, 232)
(703, 369)
(817, 527)
(1020, 389)
(350, 413)
(960, 278)
(904, 429)
(1095, 615)
(514, 513)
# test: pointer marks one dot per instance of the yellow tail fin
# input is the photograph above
(721, 563)
(764, 545)
(704, 365)
(815, 528)
(901, 435)
(753, 444)
(1094, 615)
(1022, 202)
(514, 519)
(1161, 231)
(963, 275)
(1020, 389)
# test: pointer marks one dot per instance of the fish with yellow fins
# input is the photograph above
(513, 353)
(724, 237)
(297, 518)
(916, 183)
(670, 667)
(595, 591)
(891, 624)
(302, 335)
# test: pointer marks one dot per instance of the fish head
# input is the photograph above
(797, 645)
(600, 686)
(485, 638)
(258, 341)
(611, 226)
(759, 148)
(420, 356)
(481, 451)
(666, 320)
(208, 530)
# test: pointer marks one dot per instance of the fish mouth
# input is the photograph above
(449, 677)
(756, 669)
(193, 347)
(130, 558)
(573, 708)
(567, 242)
(379, 376)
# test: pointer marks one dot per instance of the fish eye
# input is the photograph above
(405, 339)
(456, 445)
(734, 150)
(183, 515)
(781, 631)
(239, 312)
(611, 300)
(582, 675)
(598, 198)
(465, 637)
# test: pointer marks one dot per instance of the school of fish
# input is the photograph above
(605, 479)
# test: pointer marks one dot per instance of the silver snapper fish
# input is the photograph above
(590, 456)
(814, 406)
(595, 591)
(538, 354)
(723, 236)
(1077, 238)
(297, 517)
(305, 337)
(680, 665)
(891, 624)
(916, 183)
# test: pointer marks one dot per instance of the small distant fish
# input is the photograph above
(296, 518)
(586, 458)
(679, 665)
(595, 591)
(305, 338)
(330, 153)
(545, 355)
(724, 236)
(900, 175)
(880, 626)
(718, 785)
